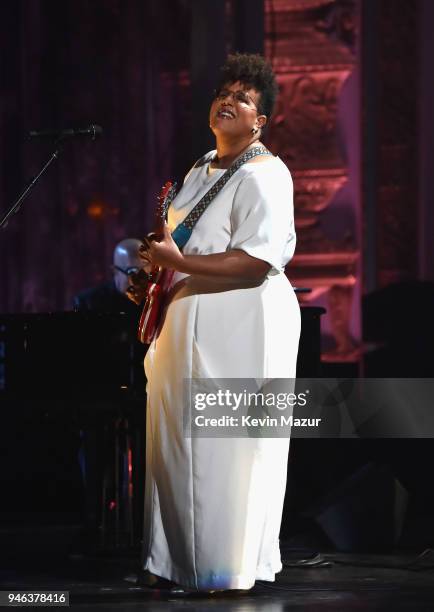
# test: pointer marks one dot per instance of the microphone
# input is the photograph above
(92, 131)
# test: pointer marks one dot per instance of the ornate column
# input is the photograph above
(310, 44)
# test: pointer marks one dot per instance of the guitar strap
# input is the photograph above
(182, 232)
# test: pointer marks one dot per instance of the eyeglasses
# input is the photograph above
(127, 271)
(239, 96)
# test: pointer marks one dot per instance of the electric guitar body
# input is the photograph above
(160, 278)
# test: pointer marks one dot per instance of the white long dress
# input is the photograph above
(213, 506)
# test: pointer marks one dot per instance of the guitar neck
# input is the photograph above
(164, 199)
(159, 225)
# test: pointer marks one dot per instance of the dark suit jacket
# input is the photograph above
(105, 298)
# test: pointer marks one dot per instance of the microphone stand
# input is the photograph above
(17, 204)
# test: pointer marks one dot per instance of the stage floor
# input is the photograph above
(311, 580)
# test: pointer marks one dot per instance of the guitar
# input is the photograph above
(159, 279)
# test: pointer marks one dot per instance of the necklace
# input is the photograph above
(216, 159)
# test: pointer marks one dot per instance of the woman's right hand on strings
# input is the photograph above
(161, 250)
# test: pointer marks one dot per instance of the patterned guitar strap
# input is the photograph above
(182, 232)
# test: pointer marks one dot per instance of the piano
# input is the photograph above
(72, 397)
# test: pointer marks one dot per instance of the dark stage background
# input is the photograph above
(144, 70)
(353, 122)
(72, 63)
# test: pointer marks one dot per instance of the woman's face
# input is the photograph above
(234, 111)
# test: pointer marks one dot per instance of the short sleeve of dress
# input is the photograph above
(262, 218)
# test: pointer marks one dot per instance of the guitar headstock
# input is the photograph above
(165, 197)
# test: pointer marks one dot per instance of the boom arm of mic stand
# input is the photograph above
(17, 204)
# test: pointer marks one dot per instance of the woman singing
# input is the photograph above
(213, 506)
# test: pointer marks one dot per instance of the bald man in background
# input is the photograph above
(99, 436)
(112, 296)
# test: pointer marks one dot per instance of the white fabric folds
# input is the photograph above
(213, 506)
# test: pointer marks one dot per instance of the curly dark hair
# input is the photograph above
(252, 70)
